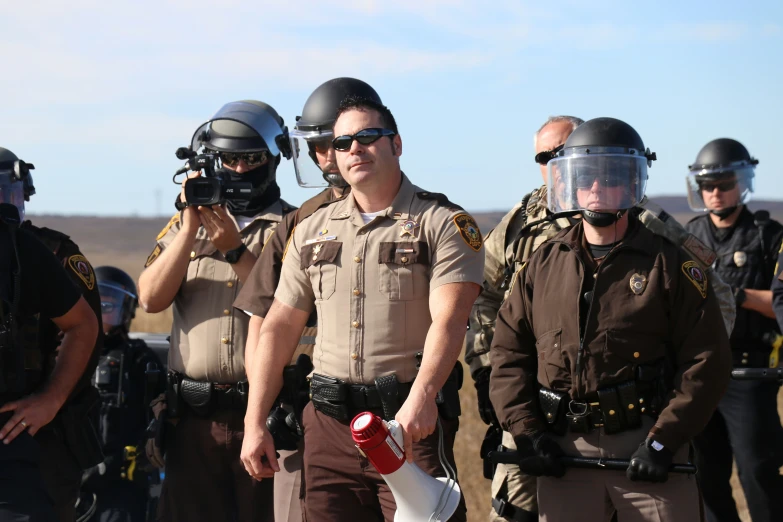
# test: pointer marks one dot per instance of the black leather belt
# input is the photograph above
(203, 398)
(343, 401)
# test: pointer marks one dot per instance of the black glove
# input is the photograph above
(284, 429)
(539, 456)
(485, 408)
(650, 462)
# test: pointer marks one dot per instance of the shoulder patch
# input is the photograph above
(699, 250)
(469, 231)
(81, 267)
(696, 276)
(153, 256)
(442, 200)
(174, 219)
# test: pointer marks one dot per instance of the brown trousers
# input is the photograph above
(342, 485)
(205, 479)
(595, 495)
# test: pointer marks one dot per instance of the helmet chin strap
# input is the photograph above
(602, 219)
(724, 213)
(335, 180)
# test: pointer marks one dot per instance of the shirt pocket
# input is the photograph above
(320, 261)
(201, 269)
(404, 270)
(552, 370)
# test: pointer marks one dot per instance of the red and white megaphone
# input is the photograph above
(419, 497)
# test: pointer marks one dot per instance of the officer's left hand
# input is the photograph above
(30, 413)
(650, 464)
(220, 228)
(418, 418)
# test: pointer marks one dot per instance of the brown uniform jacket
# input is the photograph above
(81, 272)
(207, 335)
(371, 283)
(258, 292)
(675, 315)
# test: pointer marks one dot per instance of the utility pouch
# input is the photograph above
(78, 419)
(613, 415)
(173, 399)
(197, 395)
(631, 407)
(389, 389)
(337, 411)
(553, 406)
(328, 388)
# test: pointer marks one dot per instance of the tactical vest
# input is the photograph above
(742, 263)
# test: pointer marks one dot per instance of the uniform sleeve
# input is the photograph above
(514, 359)
(258, 292)
(294, 288)
(164, 239)
(457, 255)
(700, 352)
(46, 287)
(484, 312)
(777, 289)
(81, 272)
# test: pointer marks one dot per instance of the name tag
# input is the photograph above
(319, 239)
(405, 251)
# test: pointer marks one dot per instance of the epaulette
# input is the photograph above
(442, 200)
(53, 239)
(286, 207)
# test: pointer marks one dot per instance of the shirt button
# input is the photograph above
(225, 367)
(555, 345)
(354, 356)
(744, 361)
(611, 412)
(636, 355)
(356, 291)
(230, 284)
(355, 324)
(224, 340)
(192, 255)
(631, 406)
(745, 354)
(404, 259)
(357, 259)
(226, 312)
(595, 276)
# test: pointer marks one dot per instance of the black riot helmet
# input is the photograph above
(118, 299)
(601, 170)
(244, 126)
(721, 164)
(16, 182)
(314, 128)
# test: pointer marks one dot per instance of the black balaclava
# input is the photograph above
(265, 189)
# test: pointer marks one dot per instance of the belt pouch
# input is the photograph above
(389, 389)
(197, 395)
(629, 399)
(553, 403)
(337, 411)
(614, 420)
(173, 399)
(327, 388)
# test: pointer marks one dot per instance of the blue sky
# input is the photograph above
(98, 95)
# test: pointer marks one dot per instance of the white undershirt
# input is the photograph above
(243, 221)
(367, 217)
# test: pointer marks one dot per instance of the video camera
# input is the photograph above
(212, 188)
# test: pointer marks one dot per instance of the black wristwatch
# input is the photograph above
(232, 256)
(739, 296)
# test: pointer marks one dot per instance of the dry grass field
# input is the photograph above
(126, 242)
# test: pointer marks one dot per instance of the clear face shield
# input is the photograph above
(117, 305)
(314, 159)
(12, 191)
(720, 188)
(601, 180)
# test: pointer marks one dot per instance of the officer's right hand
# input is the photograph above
(485, 408)
(258, 452)
(539, 455)
(650, 462)
(190, 217)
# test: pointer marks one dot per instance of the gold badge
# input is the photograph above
(638, 283)
(469, 231)
(696, 276)
(316, 251)
(82, 268)
(153, 256)
(408, 227)
(740, 258)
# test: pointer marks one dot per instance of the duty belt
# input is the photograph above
(342, 401)
(203, 398)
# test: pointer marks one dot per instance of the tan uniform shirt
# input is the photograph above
(371, 283)
(208, 335)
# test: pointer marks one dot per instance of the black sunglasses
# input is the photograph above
(609, 181)
(723, 186)
(365, 137)
(252, 159)
(544, 157)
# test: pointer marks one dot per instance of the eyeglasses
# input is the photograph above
(543, 157)
(584, 182)
(251, 159)
(723, 186)
(365, 137)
